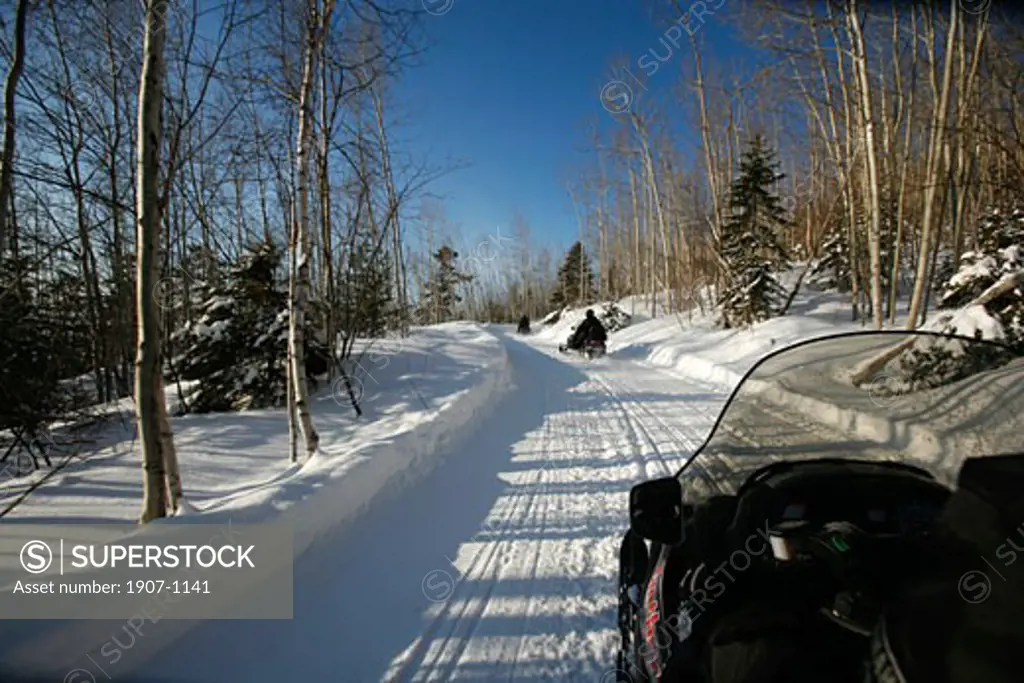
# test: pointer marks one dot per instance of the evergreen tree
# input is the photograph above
(999, 253)
(367, 300)
(750, 242)
(32, 360)
(441, 296)
(575, 279)
(61, 302)
(833, 268)
(613, 317)
(236, 348)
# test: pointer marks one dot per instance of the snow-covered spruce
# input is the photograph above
(575, 279)
(987, 289)
(750, 242)
(832, 269)
(613, 317)
(236, 348)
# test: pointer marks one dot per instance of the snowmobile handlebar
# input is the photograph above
(855, 563)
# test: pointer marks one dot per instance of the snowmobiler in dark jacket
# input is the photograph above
(590, 329)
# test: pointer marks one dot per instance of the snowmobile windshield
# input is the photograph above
(919, 398)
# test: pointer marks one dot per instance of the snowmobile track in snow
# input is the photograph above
(635, 431)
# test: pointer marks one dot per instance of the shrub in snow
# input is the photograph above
(750, 242)
(996, 261)
(237, 347)
(613, 317)
(945, 268)
(832, 269)
(934, 361)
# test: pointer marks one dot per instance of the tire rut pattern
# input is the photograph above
(473, 604)
(439, 658)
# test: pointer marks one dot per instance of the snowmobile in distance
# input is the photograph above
(788, 548)
(524, 325)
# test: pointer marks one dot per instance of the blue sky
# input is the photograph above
(513, 87)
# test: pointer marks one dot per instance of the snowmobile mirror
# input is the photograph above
(656, 510)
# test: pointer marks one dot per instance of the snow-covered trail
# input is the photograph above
(500, 565)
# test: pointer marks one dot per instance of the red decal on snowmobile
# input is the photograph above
(652, 604)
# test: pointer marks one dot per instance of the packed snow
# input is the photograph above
(467, 526)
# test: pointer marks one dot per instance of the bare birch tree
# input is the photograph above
(317, 24)
(148, 382)
(867, 123)
(933, 173)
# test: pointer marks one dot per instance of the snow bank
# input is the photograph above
(463, 370)
(340, 489)
(704, 352)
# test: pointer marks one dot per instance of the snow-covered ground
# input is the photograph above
(467, 528)
(237, 461)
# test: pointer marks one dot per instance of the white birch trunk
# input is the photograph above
(300, 242)
(148, 387)
(932, 175)
(868, 120)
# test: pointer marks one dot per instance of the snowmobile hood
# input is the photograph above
(923, 399)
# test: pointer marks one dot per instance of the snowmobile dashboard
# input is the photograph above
(841, 536)
(879, 498)
(864, 523)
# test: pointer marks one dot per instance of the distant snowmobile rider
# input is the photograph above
(590, 329)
